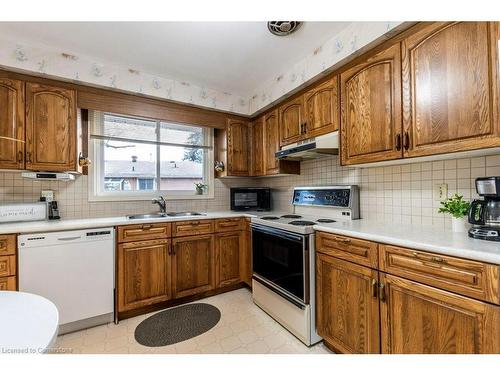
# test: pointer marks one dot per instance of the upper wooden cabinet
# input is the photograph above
(291, 119)
(314, 113)
(371, 109)
(258, 147)
(322, 108)
(11, 124)
(450, 88)
(51, 131)
(238, 148)
(272, 143)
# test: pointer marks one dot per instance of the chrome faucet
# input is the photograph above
(160, 202)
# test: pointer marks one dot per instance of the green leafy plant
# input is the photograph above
(456, 206)
(200, 186)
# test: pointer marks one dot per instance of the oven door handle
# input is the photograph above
(277, 232)
(264, 282)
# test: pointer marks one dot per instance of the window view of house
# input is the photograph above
(137, 156)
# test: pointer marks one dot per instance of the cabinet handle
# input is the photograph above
(20, 157)
(305, 127)
(343, 240)
(382, 292)
(374, 288)
(173, 249)
(406, 143)
(398, 142)
(28, 157)
(169, 250)
(147, 226)
(437, 259)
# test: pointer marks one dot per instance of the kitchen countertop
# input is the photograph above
(63, 224)
(425, 238)
(418, 237)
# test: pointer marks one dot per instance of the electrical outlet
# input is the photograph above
(440, 192)
(48, 195)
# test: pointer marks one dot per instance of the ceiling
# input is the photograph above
(227, 56)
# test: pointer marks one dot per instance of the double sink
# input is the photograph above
(160, 215)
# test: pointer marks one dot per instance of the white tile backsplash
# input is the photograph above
(395, 194)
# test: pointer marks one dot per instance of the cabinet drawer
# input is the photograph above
(7, 265)
(7, 244)
(229, 225)
(138, 232)
(348, 248)
(8, 283)
(192, 228)
(467, 277)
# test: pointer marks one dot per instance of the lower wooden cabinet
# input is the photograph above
(8, 283)
(418, 319)
(193, 267)
(229, 258)
(347, 307)
(361, 309)
(143, 273)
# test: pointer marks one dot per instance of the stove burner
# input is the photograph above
(291, 216)
(301, 223)
(326, 221)
(269, 217)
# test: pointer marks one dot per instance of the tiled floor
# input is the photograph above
(243, 328)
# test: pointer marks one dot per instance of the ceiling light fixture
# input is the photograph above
(283, 28)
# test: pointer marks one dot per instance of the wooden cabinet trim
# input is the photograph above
(8, 283)
(8, 244)
(147, 231)
(192, 227)
(470, 278)
(348, 248)
(8, 265)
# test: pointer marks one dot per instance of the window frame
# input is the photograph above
(96, 169)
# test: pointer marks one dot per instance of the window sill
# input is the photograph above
(148, 197)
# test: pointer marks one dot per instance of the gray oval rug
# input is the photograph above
(177, 324)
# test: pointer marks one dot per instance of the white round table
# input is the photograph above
(28, 323)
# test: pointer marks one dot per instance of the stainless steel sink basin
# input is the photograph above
(147, 216)
(160, 215)
(185, 213)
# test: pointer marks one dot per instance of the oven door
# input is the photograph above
(281, 262)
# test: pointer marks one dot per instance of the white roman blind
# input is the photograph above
(111, 127)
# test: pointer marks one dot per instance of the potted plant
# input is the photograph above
(458, 208)
(200, 187)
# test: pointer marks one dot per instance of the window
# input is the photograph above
(138, 158)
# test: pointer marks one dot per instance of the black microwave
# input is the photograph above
(250, 199)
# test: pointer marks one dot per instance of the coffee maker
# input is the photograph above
(485, 213)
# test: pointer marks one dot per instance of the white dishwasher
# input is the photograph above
(74, 270)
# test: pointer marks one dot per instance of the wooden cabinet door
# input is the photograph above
(321, 105)
(228, 258)
(50, 128)
(420, 319)
(238, 148)
(11, 124)
(272, 143)
(258, 147)
(193, 269)
(291, 121)
(371, 109)
(143, 273)
(347, 315)
(449, 81)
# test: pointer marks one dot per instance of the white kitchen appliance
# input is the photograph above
(48, 176)
(74, 270)
(283, 252)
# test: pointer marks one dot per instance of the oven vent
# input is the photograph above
(283, 28)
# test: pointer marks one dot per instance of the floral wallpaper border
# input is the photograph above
(46, 60)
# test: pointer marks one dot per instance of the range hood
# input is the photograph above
(48, 176)
(312, 148)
